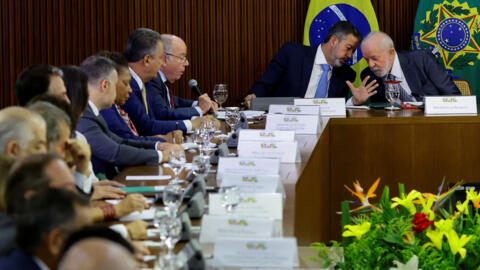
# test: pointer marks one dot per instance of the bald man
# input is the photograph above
(22, 132)
(98, 253)
(419, 72)
(176, 61)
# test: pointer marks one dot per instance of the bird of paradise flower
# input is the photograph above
(365, 204)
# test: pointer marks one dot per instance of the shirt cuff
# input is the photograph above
(349, 102)
(199, 110)
(188, 125)
(160, 156)
(83, 182)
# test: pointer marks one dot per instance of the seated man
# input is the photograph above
(108, 150)
(39, 79)
(175, 63)
(314, 72)
(419, 72)
(42, 224)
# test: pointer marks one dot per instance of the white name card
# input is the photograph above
(252, 183)
(250, 205)
(301, 124)
(328, 106)
(445, 105)
(287, 152)
(294, 110)
(265, 135)
(214, 227)
(256, 166)
(273, 253)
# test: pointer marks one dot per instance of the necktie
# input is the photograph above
(322, 84)
(144, 96)
(170, 94)
(404, 96)
(127, 120)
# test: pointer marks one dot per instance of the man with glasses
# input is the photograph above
(173, 69)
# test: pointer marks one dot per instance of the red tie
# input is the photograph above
(127, 120)
(170, 93)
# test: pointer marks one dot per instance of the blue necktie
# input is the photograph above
(322, 84)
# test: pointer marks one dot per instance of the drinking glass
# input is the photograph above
(173, 236)
(160, 222)
(220, 94)
(392, 93)
(176, 160)
(230, 198)
(172, 198)
(200, 165)
(232, 115)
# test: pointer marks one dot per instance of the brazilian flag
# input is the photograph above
(323, 14)
(450, 29)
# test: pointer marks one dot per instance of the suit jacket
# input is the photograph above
(18, 259)
(109, 150)
(117, 125)
(424, 75)
(146, 124)
(183, 107)
(7, 235)
(289, 73)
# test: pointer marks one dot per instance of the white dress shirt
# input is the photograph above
(96, 113)
(164, 80)
(317, 74)
(398, 73)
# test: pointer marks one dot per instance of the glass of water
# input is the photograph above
(220, 94)
(232, 116)
(200, 165)
(160, 222)
(172, 198)
(230, 198)
(392, 93)
(177, 160)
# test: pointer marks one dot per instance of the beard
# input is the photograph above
(381, 72)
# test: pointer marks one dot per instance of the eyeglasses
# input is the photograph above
(180, 59)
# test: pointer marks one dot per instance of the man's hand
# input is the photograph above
(214, 106)
(169, 147)
(133, 202)
(78, 154)
(137, 229)
(196, 122)
(106, 192)
(248, 100)
(177, 134)
(204, 103)
(363, 92)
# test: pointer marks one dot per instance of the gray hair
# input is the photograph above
(141, 42)
(384, 43)
(52, 116)
(15, 124)
(167, 41)
(97, 68)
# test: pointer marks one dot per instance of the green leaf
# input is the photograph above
(462, 62)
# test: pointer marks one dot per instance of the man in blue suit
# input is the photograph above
(175, 63)
(418, 72)
(314, 72)
(145, 56)
(109, 151)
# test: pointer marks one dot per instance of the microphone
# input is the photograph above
(194, 86)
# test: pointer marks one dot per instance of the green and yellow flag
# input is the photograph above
(450, 29)
(323, 14)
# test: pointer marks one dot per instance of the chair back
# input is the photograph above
(464, 87)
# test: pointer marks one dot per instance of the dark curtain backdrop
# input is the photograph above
(230, 41)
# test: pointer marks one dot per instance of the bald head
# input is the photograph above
(22, 132)
(379, 52)
(97, 253)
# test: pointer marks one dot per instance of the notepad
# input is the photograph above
(148, 177)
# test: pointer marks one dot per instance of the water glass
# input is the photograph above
(220, 94)
(160, 222)
(172, 198)
(392, 93)
(232, 116)
(200, 165)
(230, 198)
(177, 160)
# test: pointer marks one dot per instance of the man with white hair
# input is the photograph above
(22, 132)
(418, 71)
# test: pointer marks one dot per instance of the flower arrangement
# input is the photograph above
(412, 231)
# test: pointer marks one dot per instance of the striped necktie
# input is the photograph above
(404, 96)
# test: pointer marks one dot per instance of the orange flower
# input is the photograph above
(361, 196)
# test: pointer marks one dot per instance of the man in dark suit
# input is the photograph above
(145, 56)
(109, 150)
(314, 72)
(175, 63)
(418, 72)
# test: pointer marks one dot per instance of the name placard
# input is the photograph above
(328, 106)
(265, 135)
(252, 183)
(214, 227)
(301, 124)
(293, 109)
(262, 253)
(249, 205)
(446, 105)
(287, 152)
(255, 166)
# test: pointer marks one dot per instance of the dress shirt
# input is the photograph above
(398, 73)
(40, 263)
(194, 104)
(97, 113)
(317, 74)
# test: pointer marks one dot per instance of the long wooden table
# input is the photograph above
(400, 147)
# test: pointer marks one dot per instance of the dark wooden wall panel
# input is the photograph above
(230, 41)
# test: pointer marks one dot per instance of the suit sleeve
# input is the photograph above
(269, 80)
(439, 76)
(159, 104)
